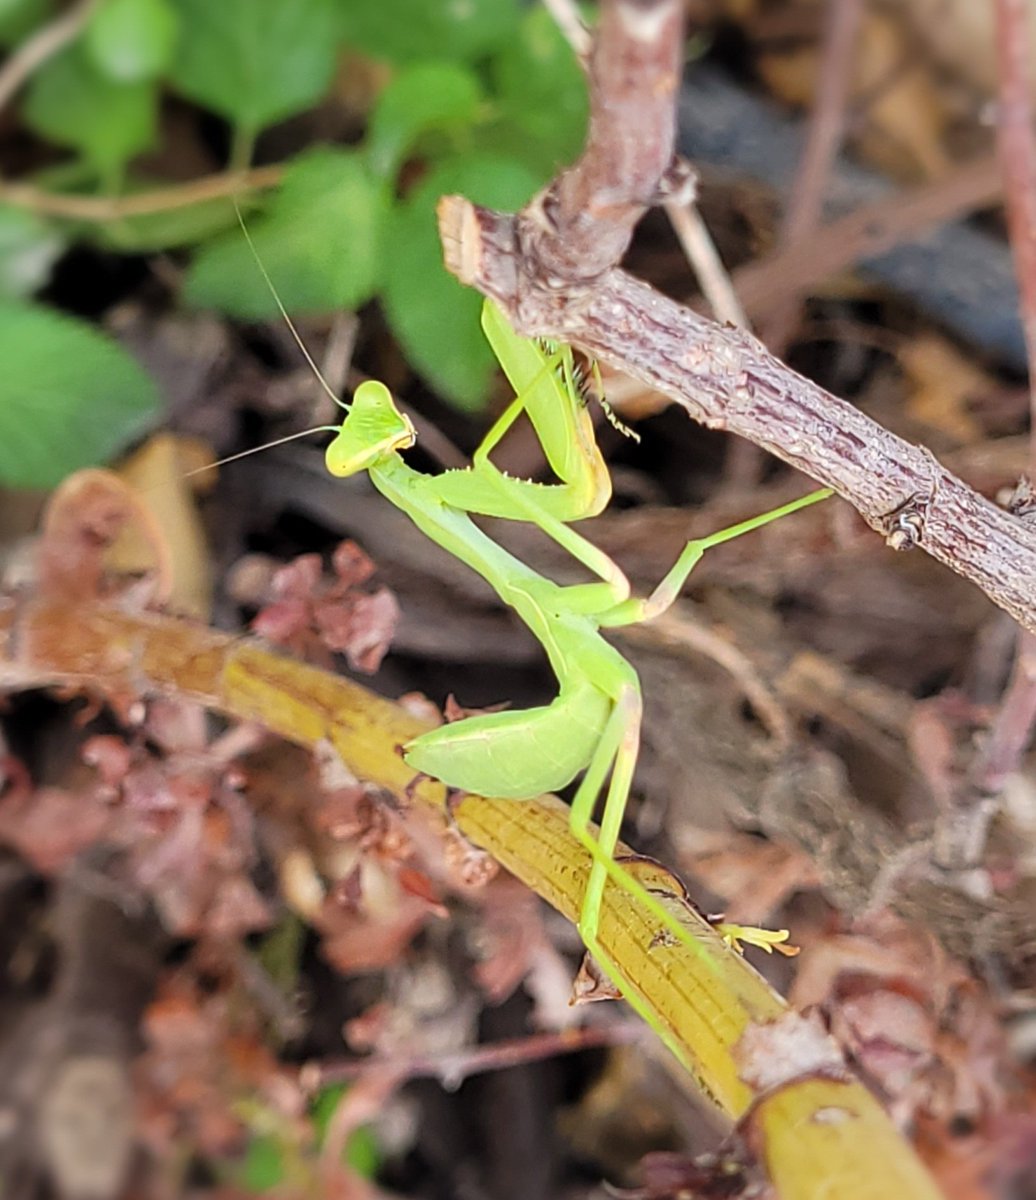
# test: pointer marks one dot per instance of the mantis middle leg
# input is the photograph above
(634, 611)
(616, 753)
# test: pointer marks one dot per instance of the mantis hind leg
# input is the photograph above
(617, 752)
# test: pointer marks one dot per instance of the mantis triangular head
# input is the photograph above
(373, 429)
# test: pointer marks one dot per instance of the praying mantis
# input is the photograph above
(593, 726)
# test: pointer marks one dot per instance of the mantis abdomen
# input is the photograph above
(517, 754)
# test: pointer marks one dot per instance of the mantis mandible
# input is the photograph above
(593, 726)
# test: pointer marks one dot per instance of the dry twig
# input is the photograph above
(551, 268)
(221, 185)
(826, 124)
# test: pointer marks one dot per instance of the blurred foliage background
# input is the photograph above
(133, 137)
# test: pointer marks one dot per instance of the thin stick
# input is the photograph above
(823, 140)
(454, 1066)
(713, 278)
(338, 352)
(566, 17)
(103, 208)
(824, 135)
(1018, 167)
(676, 631)
(868, 231)
(44, 44)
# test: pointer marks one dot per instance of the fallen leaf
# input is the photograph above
(944, 387)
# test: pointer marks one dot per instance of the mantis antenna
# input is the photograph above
(291, 437)
(287, 319)
(303, 349)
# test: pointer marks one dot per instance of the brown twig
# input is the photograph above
(727, 380)
(1018, 165)
(549, 268)
(744, 462)
(680, 634)
(142, 204)
(823, 140)
(456, 1065)
(700, 250)
(867, 232)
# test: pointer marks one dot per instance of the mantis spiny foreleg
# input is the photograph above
(545, 391)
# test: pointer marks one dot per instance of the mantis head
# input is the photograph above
(373, 429)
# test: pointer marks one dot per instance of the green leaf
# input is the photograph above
(405, 31)
(255, 61)
(541, 94)
(323, 1107)
(70, 103)
(20, 17)
(435, 319)
(69, 396)
(361, 1150)
(363, 1153)
(28, 249)
(320, 244)
(439, 96)
(132, 40)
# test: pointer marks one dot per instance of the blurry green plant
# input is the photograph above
(277, 1156)
(482, 97)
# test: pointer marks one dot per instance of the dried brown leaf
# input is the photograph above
(50, 827)
(752, 876)
(355, 941)
(84, 519)
(915, 1021)
(310, 613)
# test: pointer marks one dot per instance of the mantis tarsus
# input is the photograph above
(594, 724)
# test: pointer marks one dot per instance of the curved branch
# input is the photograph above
(818, 1130)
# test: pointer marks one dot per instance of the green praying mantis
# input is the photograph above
(593, 726)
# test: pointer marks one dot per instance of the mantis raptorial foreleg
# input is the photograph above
(545, 389)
